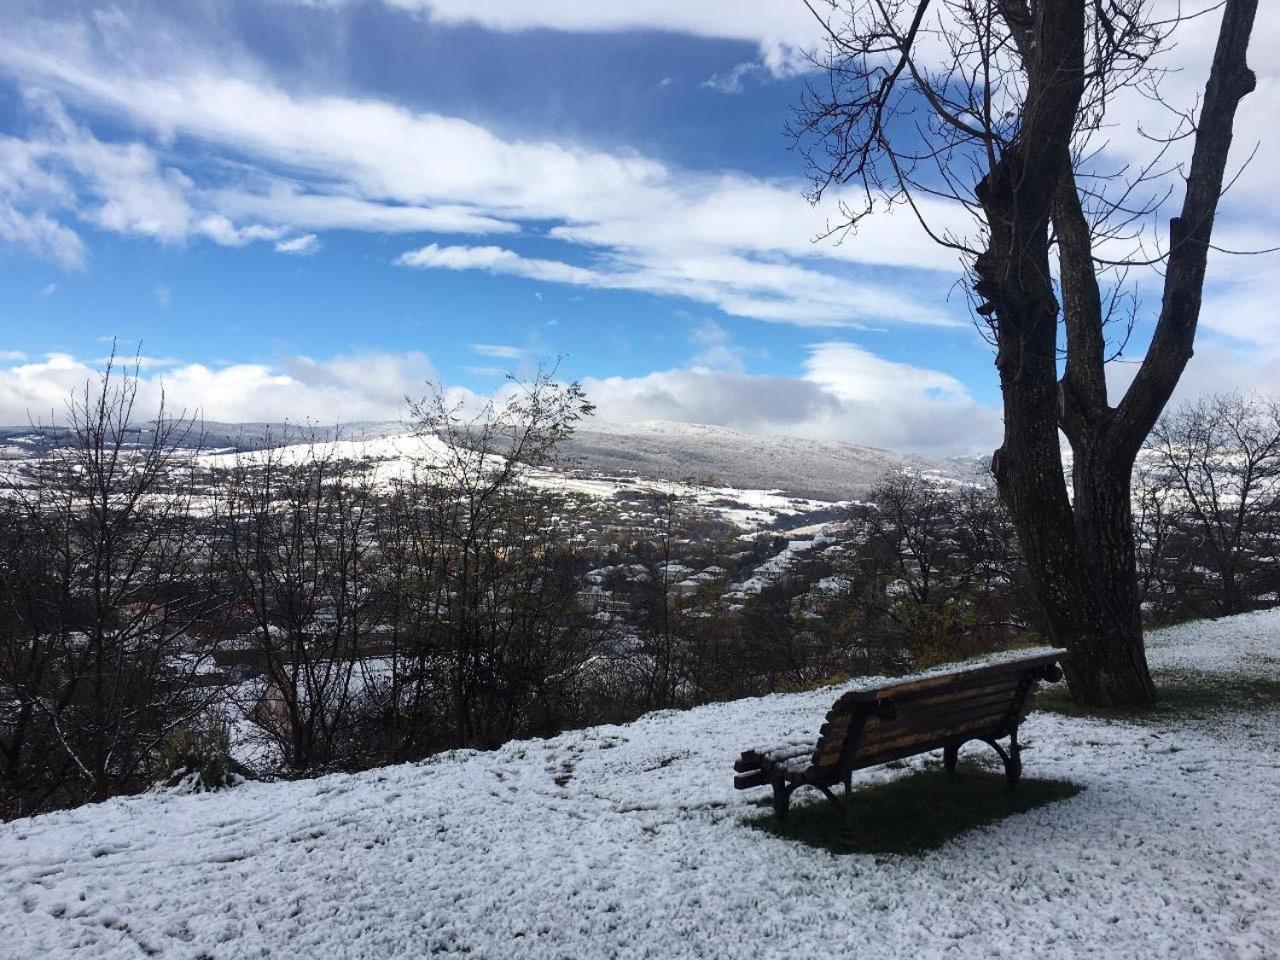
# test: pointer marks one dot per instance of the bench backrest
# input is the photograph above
(869, 727)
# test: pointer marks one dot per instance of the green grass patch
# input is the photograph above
(914, 813)
(1182, 697)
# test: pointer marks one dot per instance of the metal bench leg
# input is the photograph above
(950, 754)
(846, 828)
(1013, 766)
(1012, 759)
(781, 797)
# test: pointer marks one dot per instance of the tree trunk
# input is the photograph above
(1113, 669)
(1081, 554)
(1081, 560)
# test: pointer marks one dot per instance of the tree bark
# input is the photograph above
(1080, 548)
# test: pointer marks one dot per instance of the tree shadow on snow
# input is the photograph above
(1183, 696)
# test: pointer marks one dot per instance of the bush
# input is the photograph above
(196, 760)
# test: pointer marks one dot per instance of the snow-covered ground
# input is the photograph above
(628, 842)
(1247, 644)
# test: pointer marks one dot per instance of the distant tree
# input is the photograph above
(660, 617)
(995, 105)
(948, 567)
(1163, 562)
(1218, 460)
(412, 607)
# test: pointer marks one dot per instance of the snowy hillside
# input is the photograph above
(398, 456)
(819, 469)
(657, 449)
(628, 842)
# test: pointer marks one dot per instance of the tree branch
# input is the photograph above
(1230, 80)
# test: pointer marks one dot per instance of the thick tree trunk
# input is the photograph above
(1080, 551)
(1112, 668)
(1080, 554)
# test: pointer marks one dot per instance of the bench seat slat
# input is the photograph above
(1007, 685)
(959, 677)
(944, 715)
(988, 725)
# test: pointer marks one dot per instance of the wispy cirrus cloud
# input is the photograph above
(302, 246)
(304, 163)
(499, 351)
(737, 284)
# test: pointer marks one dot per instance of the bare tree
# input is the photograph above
(413, 607)
(294, 550)
(1219, 459)
(509, 624)
(1164, 564)
(104, 580)
(995, 105)
(950, 568)
(660, 614)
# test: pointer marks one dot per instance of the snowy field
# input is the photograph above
(627, 842)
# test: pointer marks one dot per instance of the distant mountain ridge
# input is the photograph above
(655, 449)
(801, 467)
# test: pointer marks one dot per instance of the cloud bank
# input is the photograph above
(844, 393)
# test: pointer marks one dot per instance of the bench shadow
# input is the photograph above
(915, 813)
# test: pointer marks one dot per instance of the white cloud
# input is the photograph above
(346, 388)
(499, 351)
(846, 393)
(734, 79)
(30, 199)
(42, 236)
(738, 285)
(303, 246)
(222, 231)
(62, 169)
(283, 202)
(164, 296)
(725, 239)
(131, 192)
(499, 260)
(716, 349)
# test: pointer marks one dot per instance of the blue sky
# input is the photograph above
(307, 209)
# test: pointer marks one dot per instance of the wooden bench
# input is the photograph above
(869, 727)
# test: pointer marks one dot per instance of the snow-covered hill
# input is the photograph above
(654, 449)
(720, 456)
(627, 842)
